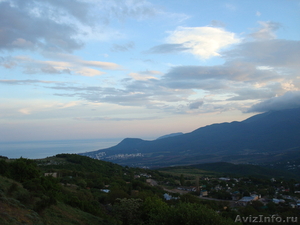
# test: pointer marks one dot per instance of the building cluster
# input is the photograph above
(124, 156)
(232, 189)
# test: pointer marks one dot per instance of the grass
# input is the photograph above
(14, 211)
(64, 214)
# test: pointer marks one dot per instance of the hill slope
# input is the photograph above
(258, 138)
(71, 189)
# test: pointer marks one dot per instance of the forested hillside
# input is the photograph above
(73, 189)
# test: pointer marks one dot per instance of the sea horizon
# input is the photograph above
(48, 148)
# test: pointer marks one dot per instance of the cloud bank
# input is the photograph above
(289, 100)
(259, 72)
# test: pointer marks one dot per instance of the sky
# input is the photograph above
(85, 69)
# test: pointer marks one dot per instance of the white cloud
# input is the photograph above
(103, 65)
(25, 111)
(204, 42)
(145, 75)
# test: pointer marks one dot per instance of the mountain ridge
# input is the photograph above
(169, 135)
(267, 133)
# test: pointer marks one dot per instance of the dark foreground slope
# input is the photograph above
(265, 137)
(77, 190)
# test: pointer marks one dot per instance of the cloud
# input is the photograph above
(7, 62)
(274, 53)
(217, 77)
(25, 111)
(287, 101)
(102, 65)
(78, 9)
(196, 105)
(122, 48)
(217, 23)
(114, 118)
(22, 82)
(168, 48)
(138, 9)
(145, 75)
(204, 42)
(143, 93)
(19, 21)
(267, 30)
(72, 64)
(254, 70)
(253, 93)
(230, 7)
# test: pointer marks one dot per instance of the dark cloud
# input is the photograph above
(167, 49)
(205, 84)
(22, 82)
(253, 93)
(266, 31)
(216, 77)
(149, 94)
(287, 101)
(196, 105)
(78, 9)
(50, 69)
(138, 9)
(40, 25)
(217, 23)
(274, 53)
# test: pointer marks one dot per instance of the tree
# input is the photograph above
(128, 210)
(182, 181)
(155, 211)
(23, 170)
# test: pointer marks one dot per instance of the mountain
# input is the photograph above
(262, 138)
(170, 135)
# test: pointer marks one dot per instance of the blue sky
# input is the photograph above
(83, 69)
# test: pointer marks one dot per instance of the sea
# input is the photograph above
(43, 149)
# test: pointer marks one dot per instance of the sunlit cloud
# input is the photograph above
(145, 75)
(74, 65)
(204, 42)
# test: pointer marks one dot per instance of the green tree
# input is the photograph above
(128, 210)
(182, 181)
(155, 211)
(23, 170)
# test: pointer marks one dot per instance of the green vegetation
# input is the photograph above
(224, 169)
(74, 189)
